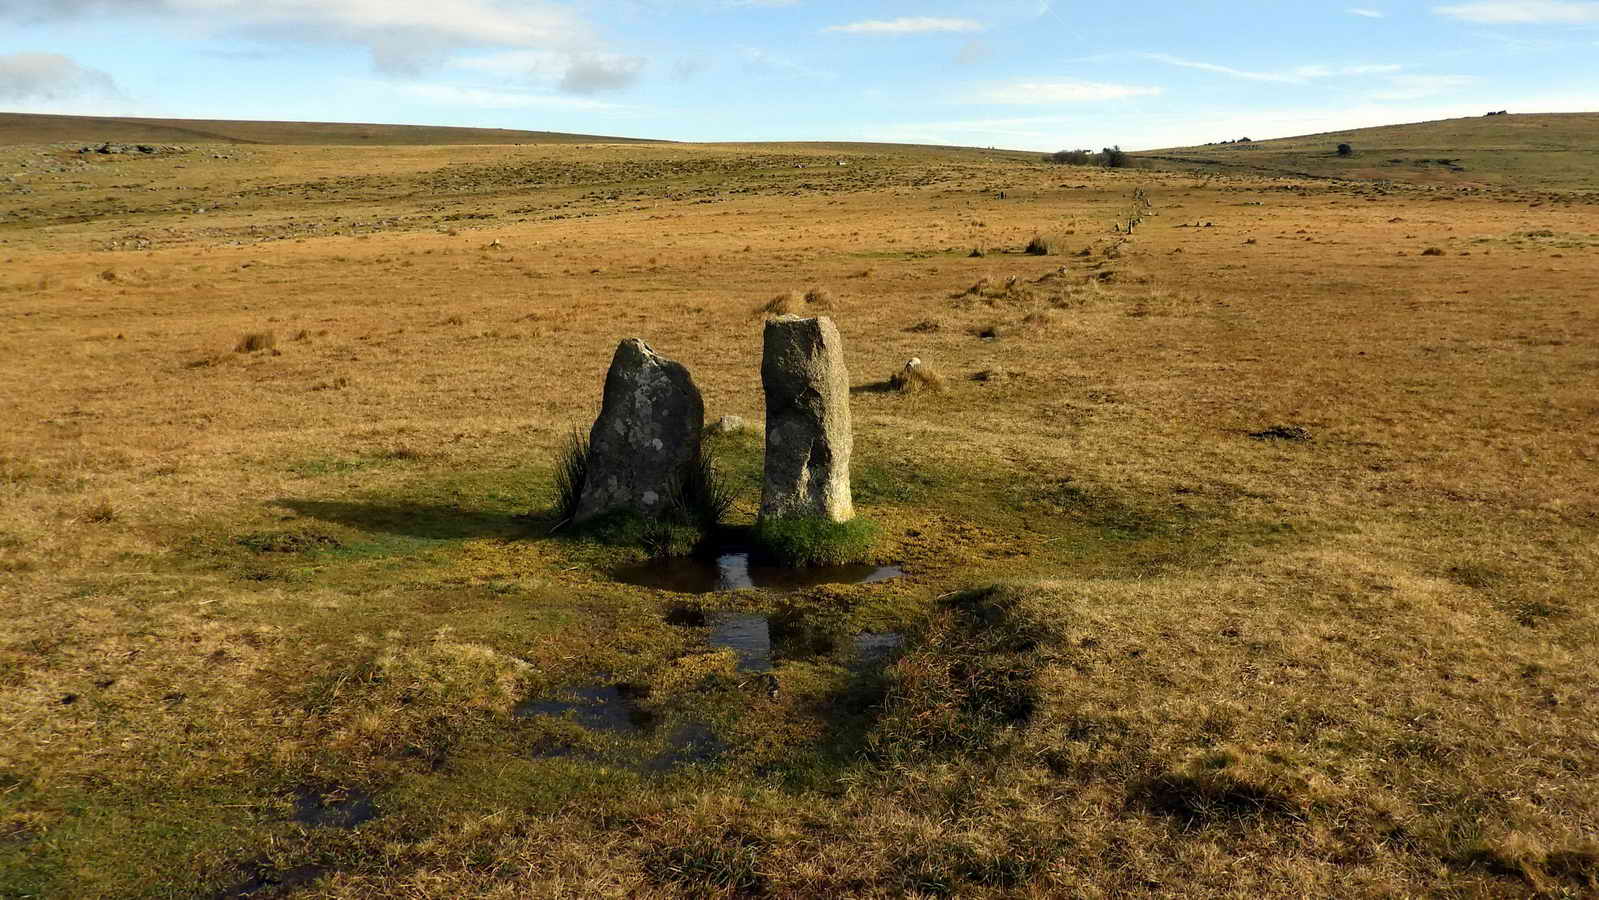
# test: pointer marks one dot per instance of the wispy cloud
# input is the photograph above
(51, 77)
(1048, 92)
(907, 25)
(1523, 12)
(492, 98)
(974, 51)
(758, 59)
(1299, 75)
(1417, 87)
(1368, 13)
(403, 36)
(596, 72)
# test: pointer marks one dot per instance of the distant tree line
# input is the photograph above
(1110, 158)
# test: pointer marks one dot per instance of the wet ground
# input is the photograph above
(737, 569)
(616, 709)
(337, 809)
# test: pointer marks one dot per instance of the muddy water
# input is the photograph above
(871, 648)
(746, 634)
(611, 708)
(734, 571)
(341, 810)
(614, 709)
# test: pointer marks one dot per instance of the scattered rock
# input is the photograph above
(647, 434)
(728, 425)
(808, 436)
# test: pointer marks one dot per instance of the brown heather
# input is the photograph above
(1146, 653)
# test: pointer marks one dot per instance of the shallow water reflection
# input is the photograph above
(735, 571)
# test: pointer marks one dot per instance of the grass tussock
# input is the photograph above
(1038, 246)
(802, 541)
(918, 377)
(820, 299)
(813, 302)
(255, 342)
(969, 681)
(100, 512)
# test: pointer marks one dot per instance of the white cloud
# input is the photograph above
(974, 51)
(490, 98)
(1299, 75)
(593, 73)
(513, 63)
(907, 25)
(1523, 12)
(403, 36)
(757, 59)
(1368, 13)
(1417, 87)
(1043, 92)
(51, 78)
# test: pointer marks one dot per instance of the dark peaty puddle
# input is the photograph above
(338, 809)
(610, 707)
(747, 634)
(750, 636)
(734, 571)
(264, 882)
(872, 648)
(614, 709)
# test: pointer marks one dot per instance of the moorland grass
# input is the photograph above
(1356, 665)
(802, 541)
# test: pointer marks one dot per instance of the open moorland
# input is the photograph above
(1250, 552)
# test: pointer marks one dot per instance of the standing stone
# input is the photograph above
(647, 435)
(808, 438)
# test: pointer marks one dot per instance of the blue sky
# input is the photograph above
(1024, 74)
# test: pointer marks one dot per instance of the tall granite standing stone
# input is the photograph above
(808, 438)
(647, 435)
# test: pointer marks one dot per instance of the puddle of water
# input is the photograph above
(272, 883)
(734, 571)
(690, 743)
(337, 810)
(873, 647)
(612, 707)
(747, 634)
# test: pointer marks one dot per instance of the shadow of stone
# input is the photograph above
(876, 387)
(422, 520)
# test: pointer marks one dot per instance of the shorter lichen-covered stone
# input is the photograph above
(646, 437)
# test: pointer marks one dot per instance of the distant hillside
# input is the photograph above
(1555, 151)
(24, 128)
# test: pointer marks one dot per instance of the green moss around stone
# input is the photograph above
(657, 537)
(806, 541)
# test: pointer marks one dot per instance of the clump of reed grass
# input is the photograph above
(701, 496)
(571, 472)
(255, 342)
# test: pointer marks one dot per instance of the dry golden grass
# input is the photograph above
(916, 377)
(1357, 664)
